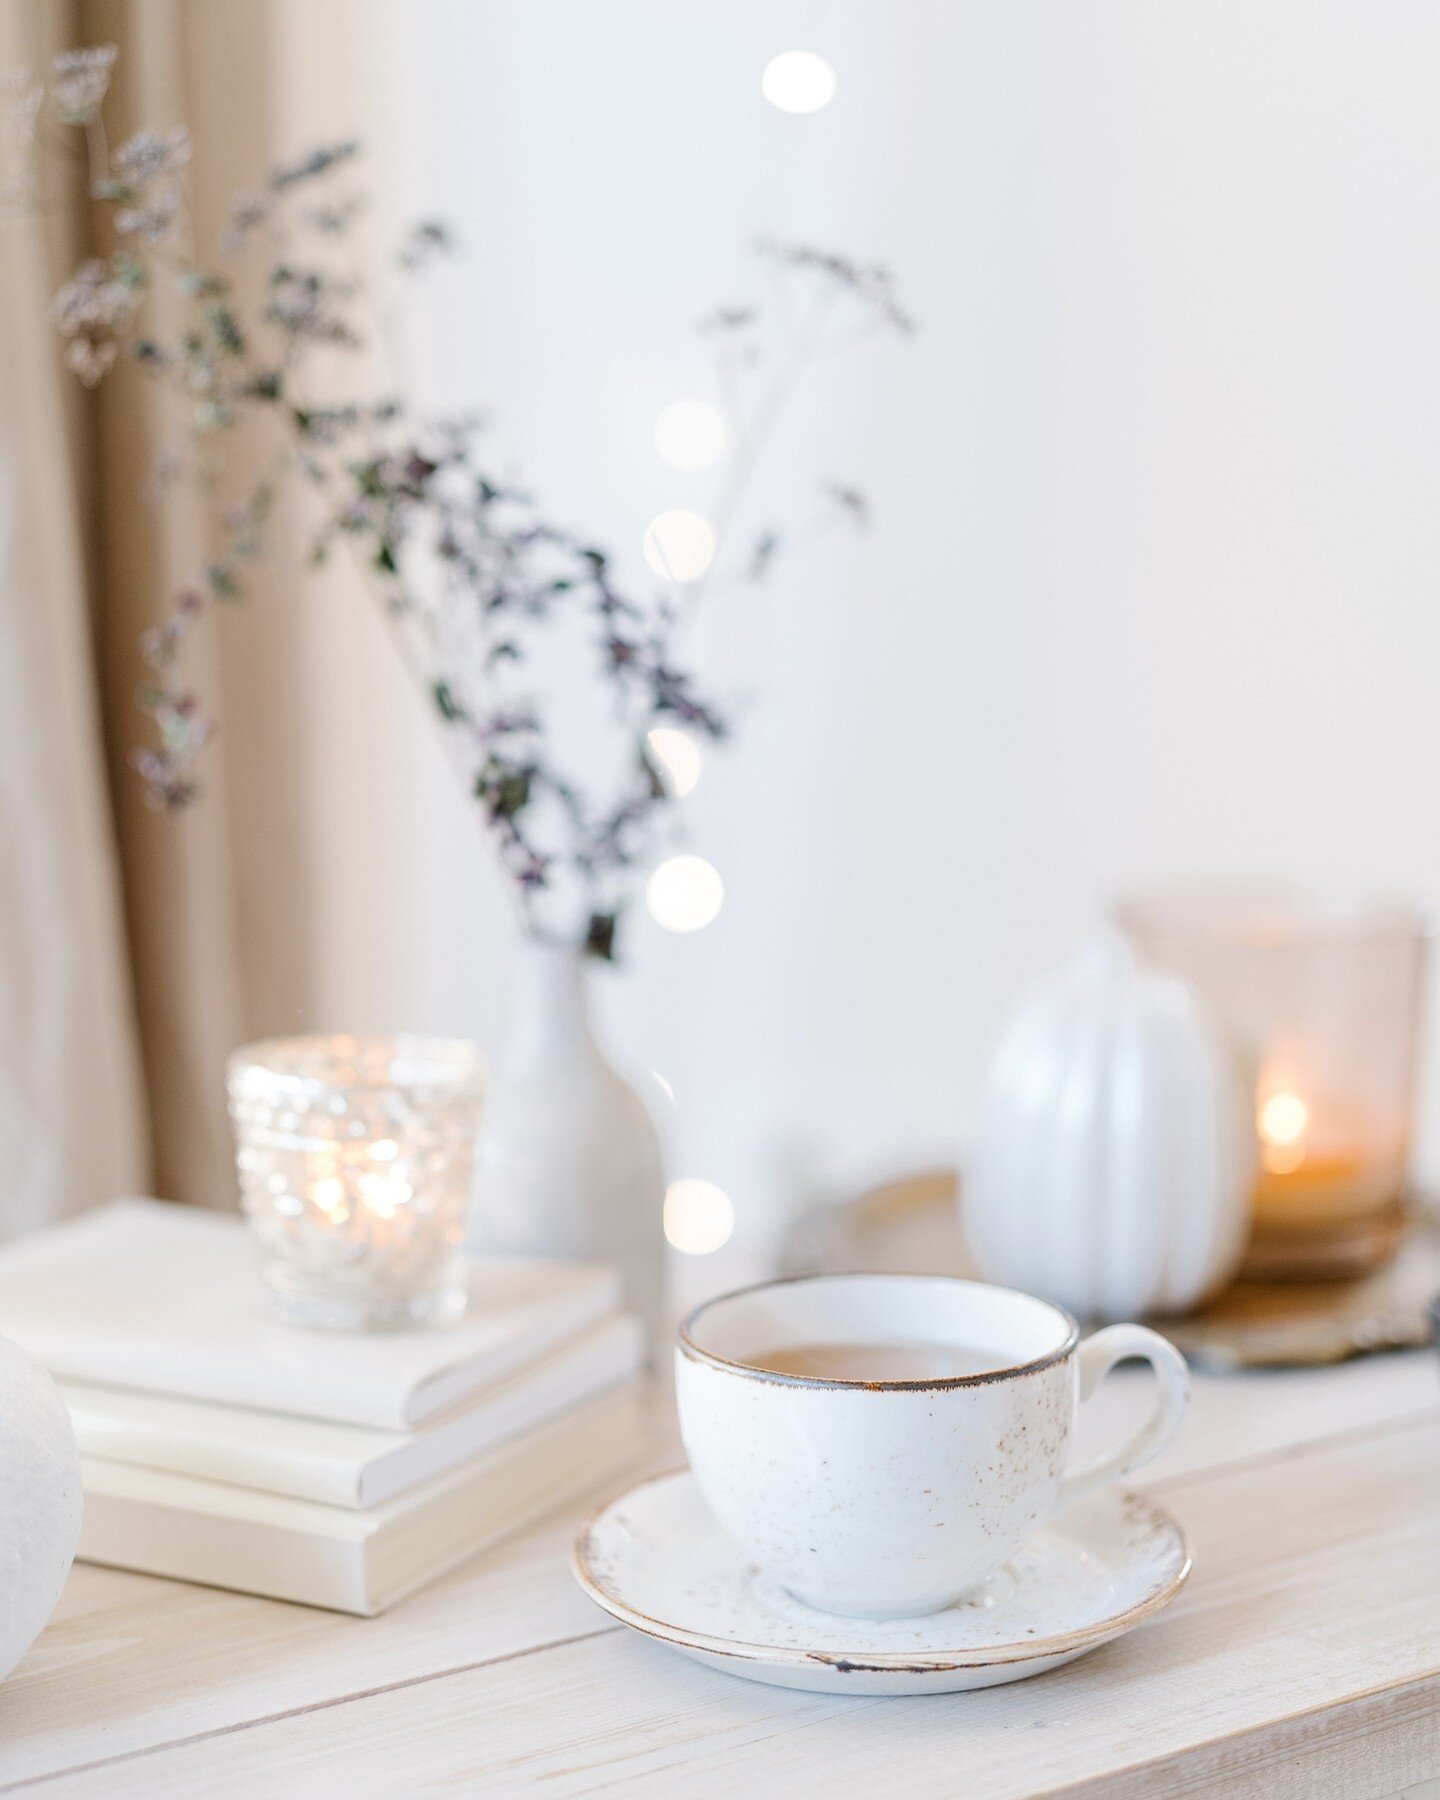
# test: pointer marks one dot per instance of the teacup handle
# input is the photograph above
(1094, 1360)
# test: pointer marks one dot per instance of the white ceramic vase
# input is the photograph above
(569, 1160)
(39, 1501)
(1115, 1152)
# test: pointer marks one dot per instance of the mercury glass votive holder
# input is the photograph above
(355, 1157)
(1321, 1000)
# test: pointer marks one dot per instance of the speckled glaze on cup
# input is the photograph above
(889, 1499)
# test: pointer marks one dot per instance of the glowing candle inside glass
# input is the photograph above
(1324, 1159)
(1281, 1123)
(355, 1157)
(1321, 1003)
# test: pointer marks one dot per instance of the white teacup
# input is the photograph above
(888, 1498)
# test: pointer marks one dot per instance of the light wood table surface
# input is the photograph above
(1302, 1661)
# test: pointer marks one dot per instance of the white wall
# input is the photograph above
(1152, 591)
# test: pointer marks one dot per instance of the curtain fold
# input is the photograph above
(72, 1114)
(177, 872)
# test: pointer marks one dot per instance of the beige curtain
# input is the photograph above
(137, 950)
(72, 1120)
(178, 872)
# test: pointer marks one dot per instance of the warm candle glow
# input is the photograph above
(1321, 1156)
(328, 1193)
(1320, 997)
(1282, 1122)
(355, 1157)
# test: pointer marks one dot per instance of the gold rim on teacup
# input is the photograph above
(687, 1346)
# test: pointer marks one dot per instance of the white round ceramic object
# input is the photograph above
(39, 1501)
(656, 1560)
(1115, 1149)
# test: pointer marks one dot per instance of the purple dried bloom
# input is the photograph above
(151, 154)
(80, 80)
(298, 305)
(93, 299)
(153, 220)
(246, 212)
(91, 358)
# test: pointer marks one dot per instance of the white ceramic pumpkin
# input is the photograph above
(1115, 1152)
(39, 1501)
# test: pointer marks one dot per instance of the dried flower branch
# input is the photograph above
(469, 570)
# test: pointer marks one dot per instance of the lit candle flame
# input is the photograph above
(1282, 1122)
(329, 1195)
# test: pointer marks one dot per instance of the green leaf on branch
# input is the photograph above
(227, 331)
(511, 794)
(504, 789)
(600, 937)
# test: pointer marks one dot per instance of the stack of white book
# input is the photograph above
(338, 1469)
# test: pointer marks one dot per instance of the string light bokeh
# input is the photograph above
(685, 893)
(798, 81)
(698, 1216)
(679, 544)
(690, 434)
(678, 756)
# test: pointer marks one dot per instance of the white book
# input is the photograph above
(167, 1299)
(336, 1557)
(338, 1464)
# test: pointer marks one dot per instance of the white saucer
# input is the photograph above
(657, 1561)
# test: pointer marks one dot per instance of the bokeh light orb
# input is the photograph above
(798, 81)
(685, 893)
(678, 756)
(679, 544)
(690, 434)
(699, 1217)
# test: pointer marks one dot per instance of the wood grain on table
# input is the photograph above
(1302, 1660)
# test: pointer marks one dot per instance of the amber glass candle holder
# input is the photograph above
(355, 1157)
(1322, 1003)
